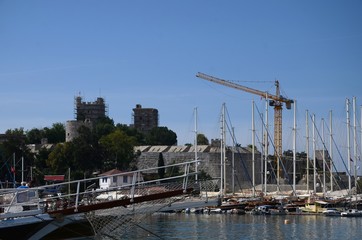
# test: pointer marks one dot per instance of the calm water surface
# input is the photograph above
(225, 226)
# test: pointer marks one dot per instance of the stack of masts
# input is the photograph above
(327, 166)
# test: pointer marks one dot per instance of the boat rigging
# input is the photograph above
(276, 101)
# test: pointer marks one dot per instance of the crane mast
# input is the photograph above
(274, 100)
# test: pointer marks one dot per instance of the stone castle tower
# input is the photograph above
(144, 119)
(86, 113)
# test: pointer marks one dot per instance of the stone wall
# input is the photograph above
(209, 162)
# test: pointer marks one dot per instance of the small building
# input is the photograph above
(116, 178)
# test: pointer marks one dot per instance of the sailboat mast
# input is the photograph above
(22, 169)
(314, 156)
(348, 147)
(324, 159)
(233, 162)
(262, 150)
(307, 145)
(354, 142)
(224, 147)
(14, 181)
(196, 163)
(294, 147)
(331, 149)
(253, 145)
(266, 145)
(222, 153)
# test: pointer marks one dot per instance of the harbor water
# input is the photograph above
(229, 226)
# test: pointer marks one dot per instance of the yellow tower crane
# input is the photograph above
(274, 100)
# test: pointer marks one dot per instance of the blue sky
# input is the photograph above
(148, 52)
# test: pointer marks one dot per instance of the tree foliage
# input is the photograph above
(117, 149)
(14, 150)
(161, 136)
(132, 132)
(55, 134)
(161, 163)
(60, 159)
(103, 126)
(85, 150)
(102, 147)
(202, 139)
(251, 147)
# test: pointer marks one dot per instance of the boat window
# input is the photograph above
(22, 197)
(31, 194)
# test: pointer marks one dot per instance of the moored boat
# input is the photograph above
(351, 213)
(24, 214)
(332, 212)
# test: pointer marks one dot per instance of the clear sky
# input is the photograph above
(148, 52)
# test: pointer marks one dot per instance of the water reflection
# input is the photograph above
(222, 226)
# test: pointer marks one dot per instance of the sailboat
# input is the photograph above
(352, 212)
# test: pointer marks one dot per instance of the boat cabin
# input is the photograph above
(317, 206)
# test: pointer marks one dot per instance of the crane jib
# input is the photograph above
(266, 95)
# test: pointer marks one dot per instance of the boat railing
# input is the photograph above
(15, 202)
(72, 194)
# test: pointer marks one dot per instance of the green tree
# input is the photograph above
(55, 134)
(86, 154)
(359, 186)
(60, 159)
(117, 148)
(40, 167)
(161, 163)
(204, 175)
(15, 146)
(173, 171)
(132, 132)
(202, 139)
(103, 126)
(251, 147)
(161, 136)
(34, 136)
(15, 142)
